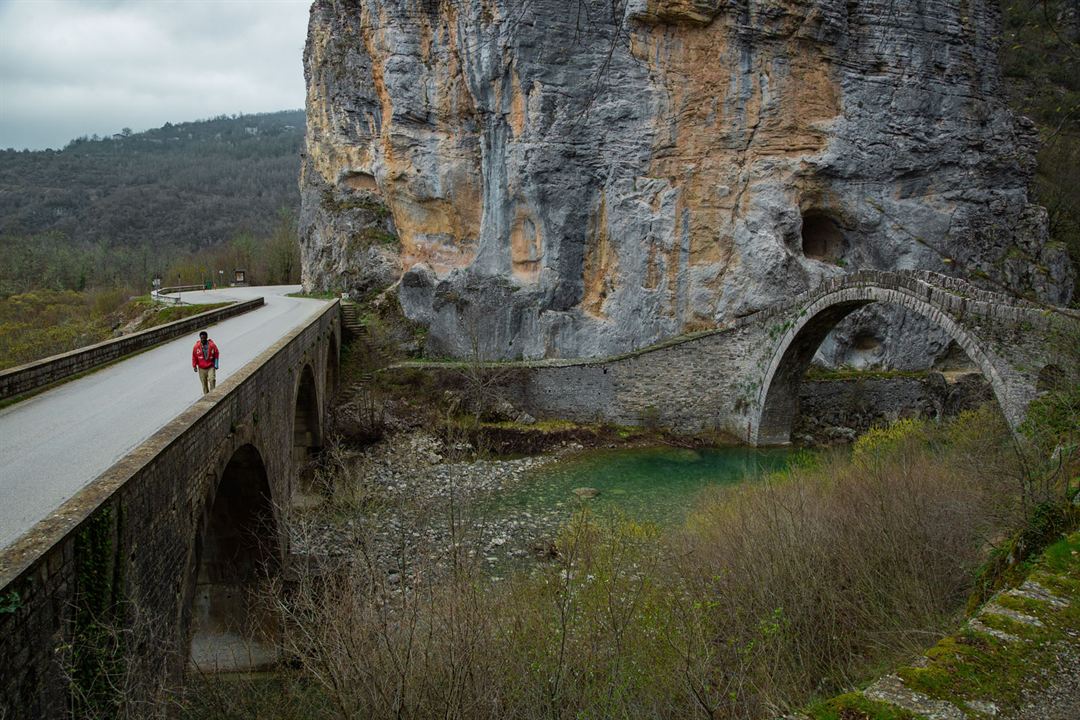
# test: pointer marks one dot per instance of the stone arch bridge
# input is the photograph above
(742, 379)
(166, 546)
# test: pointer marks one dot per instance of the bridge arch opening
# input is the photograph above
(307, 438)
(237, 549)
(798, 345)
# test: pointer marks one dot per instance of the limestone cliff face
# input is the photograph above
(558, 178)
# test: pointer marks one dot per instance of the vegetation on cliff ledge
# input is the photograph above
(1040, 56)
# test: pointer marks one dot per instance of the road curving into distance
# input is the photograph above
(55, 443)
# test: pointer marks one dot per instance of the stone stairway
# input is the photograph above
(1016, 659)
(351, 321)
(891, 689)
(354, 330)
(358, 385)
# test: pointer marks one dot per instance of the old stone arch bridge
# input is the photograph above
(742, 379)
(165, 546)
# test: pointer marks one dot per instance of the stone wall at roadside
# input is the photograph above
(35, 375)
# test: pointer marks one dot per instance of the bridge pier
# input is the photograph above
(307, 438)
(773, 423)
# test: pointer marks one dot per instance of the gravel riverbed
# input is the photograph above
(408, 503)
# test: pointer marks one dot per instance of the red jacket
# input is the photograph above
(199, 360)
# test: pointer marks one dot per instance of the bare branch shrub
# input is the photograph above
(843, 565)
(774, 592)
(116, 666)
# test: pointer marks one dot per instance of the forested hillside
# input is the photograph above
(186, 185)
(116, 210)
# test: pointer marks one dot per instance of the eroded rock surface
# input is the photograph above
(558, 178)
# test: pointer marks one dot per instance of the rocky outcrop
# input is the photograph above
(839, 410)
(581, 177)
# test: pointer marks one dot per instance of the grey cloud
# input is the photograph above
(71, 68)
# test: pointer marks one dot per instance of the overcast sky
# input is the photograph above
(79, 67)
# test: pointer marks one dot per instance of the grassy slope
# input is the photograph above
(43, 323)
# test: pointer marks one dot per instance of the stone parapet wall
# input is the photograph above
(40, 373)
(132, 538)
(689, 387)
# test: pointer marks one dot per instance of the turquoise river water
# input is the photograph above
(655, 484)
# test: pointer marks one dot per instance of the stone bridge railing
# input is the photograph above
(135, 549)
(949, 294)
(173, 295)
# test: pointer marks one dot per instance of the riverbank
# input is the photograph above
(410, 501)
(412, 496)
(455, 469)
(770, 594)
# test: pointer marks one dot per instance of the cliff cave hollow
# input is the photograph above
(822, 238)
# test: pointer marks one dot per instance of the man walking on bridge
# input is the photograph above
(204, 360)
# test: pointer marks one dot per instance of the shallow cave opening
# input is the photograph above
(356, 180)
(822, 238)
(865, 342)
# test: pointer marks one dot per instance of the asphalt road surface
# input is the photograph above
(55, 443)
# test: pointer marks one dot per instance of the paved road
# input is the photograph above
(55, 443)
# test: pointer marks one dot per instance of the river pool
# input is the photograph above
(652, 484)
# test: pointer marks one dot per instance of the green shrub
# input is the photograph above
(879, 443)
(41, 323)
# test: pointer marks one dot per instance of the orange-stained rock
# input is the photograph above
(556, 180)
